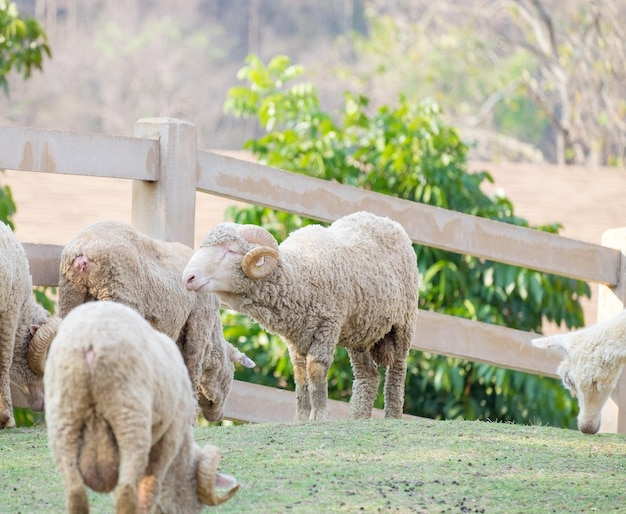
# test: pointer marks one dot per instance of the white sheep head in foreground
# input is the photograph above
(26, 328)
(119, 415)
(593, 359)
(353, 284)
(110, 260)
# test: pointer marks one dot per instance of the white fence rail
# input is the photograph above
(167, 168)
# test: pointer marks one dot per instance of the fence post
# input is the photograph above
(611, 300)
(165, 209)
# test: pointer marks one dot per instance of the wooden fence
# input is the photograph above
(167, 168)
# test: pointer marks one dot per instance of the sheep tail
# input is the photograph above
(99, 458)
(384, 351)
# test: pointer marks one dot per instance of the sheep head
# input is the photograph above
(40, 343)
(215, 388)
(227, 246)
(209, 480)
(588, 373)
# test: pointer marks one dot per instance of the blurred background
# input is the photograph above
(525, 80)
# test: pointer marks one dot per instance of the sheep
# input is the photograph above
(353, 284)
(112, 382)
(24, 327)
(110, 260)
(593, 359)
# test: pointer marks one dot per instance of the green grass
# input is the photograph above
(371, 466)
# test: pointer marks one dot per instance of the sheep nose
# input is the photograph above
(188, 281)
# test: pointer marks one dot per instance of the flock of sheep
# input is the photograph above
(137, 349)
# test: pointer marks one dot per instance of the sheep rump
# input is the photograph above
(111, 260)
(111, 382)
(353, 284)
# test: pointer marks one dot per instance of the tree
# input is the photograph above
(521, 74)
(23, 44)
(405, 151)
(578, 79)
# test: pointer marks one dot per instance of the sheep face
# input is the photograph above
(210, 268)
(227, 251)
(591, 392)
(352, 284)
(587, 371)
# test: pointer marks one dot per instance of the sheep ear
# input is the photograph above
(236, 356)
(244, 360)
(260, 262)
(559, 343)
(209, 479)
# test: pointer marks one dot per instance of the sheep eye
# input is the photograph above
(568, 382)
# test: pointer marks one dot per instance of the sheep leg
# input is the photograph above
(134, 436)
(303, 401)
(317, 376)
(8, 327)
(365, 384)
(66, 442)
(396, 374)
(162, 454)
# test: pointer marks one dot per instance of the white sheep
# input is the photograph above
(119, 416)
(110, 260)
(353, 284)
(593, 359)
(20, 334)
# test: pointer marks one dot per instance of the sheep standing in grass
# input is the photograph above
(353, 284)
(119, 415)
(23, 325)
(594, 357)
(110, 260)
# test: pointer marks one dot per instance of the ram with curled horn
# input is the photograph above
(352, 284)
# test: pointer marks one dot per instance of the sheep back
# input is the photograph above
(110, 260)
(360, 271)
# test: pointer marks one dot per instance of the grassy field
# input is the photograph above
(371, 466)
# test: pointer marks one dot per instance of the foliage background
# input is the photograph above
(145, 63)
(409, 152)
(23, 46)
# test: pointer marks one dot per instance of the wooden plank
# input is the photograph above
(44, 260)
(431, 226)
(51, 151)
(255, 403)
(482, 342)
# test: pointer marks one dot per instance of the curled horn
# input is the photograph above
(40, 343)
(257, 235)
(261, 260)
(209, 479)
